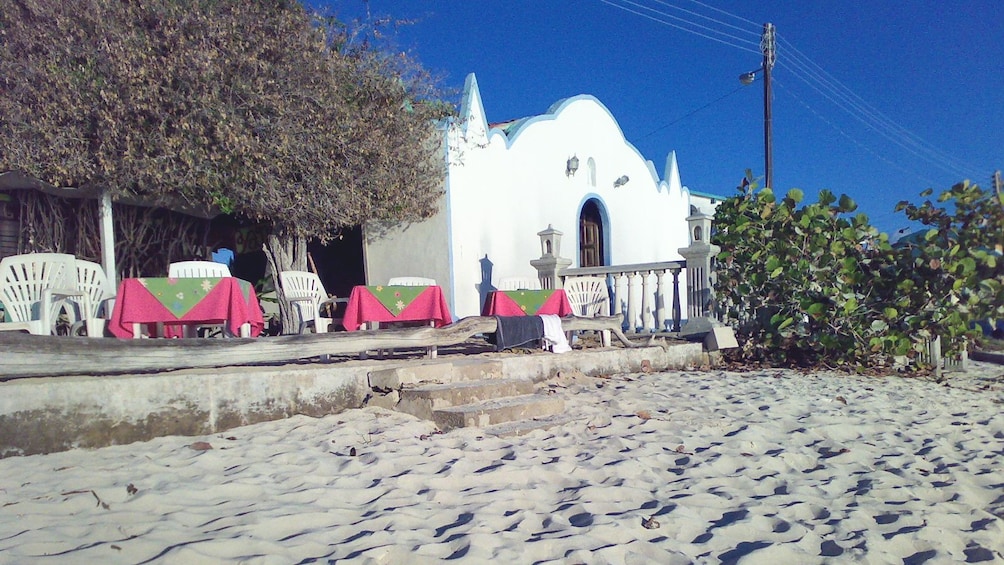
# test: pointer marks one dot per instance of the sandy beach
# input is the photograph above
(769, 466)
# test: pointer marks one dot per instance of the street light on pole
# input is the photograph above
(768, 47)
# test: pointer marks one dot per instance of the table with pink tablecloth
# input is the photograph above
(385, 303)
(527, 303)
(173, 303)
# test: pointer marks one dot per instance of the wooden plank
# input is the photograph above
(26, 355)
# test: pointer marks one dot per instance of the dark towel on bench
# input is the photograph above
(514, 331)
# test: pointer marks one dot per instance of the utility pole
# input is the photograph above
(768, 46)
(999, 189)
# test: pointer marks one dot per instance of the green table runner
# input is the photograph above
(396, 298)
(182, 294)
(529, 301)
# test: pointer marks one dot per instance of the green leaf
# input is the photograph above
(879, 326)
(796, 195)
(773, 263)
(890, 313)
(847, 204)
(816, 309)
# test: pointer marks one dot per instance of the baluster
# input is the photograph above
(676, 300)
(646, 302)
(633, 302)
(620, 297)
(660, 300)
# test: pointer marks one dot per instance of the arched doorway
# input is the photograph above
(591, 235)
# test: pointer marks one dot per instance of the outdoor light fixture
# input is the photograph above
(621, 181)
(571, 166)
(748, 78)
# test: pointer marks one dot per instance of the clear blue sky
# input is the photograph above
(878, 100)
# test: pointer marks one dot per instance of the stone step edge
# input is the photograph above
(394, 378)
(501, 403)
(422, 401)
(421, 389)
(518, 428)
(497, 411)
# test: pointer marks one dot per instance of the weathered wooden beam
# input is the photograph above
(24, 355)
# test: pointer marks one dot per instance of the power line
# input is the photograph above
(850, 106)
(739, 41)
(713, 20)
(865, 112)
(731, 15)
(804, 69)
(692, 112)
(851, 138)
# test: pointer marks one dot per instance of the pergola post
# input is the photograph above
(107, 236)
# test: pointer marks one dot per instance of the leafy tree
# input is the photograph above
(959, 259)
(810, 284)
(256, 108)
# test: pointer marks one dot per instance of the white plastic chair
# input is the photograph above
(195, 269)
(589, 298)
(33, 287)
(304, 293)
(411, 281)
(199, 269)
(98, 299)
(408, 281)
(518, 283)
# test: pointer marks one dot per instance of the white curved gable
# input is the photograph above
(507, 182)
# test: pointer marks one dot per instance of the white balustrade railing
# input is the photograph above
(647, 294)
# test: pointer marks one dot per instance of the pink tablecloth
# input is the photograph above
(183, 301)
(364, 306)
(527, 303)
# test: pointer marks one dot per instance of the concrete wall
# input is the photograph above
(53, 414)
(411, 250)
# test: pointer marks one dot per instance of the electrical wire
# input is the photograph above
(805, 70)
(851, 138)
(866, 113)
(694, 111)
(709, 18)
(739, 41)
(720, 11)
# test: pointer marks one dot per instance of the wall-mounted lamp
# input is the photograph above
(621, 181)
(571, 166)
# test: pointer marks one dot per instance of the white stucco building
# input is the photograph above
(508, 181)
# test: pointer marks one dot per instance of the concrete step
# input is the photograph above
(497, 411)
(523, 427)
(422, 401)
(440, 372)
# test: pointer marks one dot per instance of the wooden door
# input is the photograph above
(590, 236)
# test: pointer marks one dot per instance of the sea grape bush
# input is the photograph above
(961, 254)
(815, 284)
